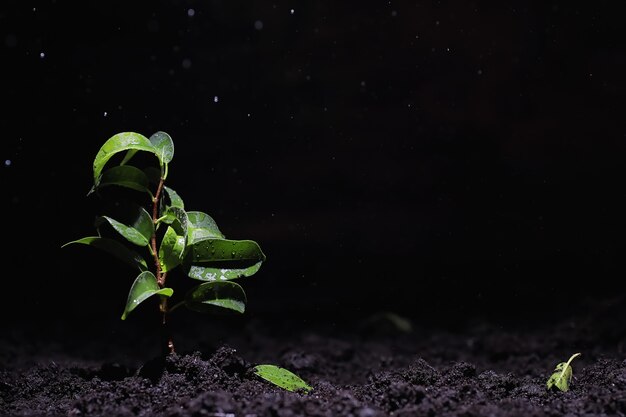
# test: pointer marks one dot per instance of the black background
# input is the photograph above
(436, 159)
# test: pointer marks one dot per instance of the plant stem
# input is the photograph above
(153, 240)
(167, 343)
(575, 355)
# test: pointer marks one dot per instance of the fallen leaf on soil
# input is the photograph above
(281, 377)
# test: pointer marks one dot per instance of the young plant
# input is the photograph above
(168, 235)
(562, 375)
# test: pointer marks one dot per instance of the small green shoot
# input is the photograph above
(562, 375)
(282, 378)
(157, 230)
(389, 319)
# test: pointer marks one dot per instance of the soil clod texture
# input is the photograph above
(356, 369)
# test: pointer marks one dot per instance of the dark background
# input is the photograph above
(437, 159)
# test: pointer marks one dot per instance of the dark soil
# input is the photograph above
(363, 368)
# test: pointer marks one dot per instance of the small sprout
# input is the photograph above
(391, 319)
(282, 378)
(401, 323)
(562, 375)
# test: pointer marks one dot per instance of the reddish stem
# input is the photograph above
(167, 344)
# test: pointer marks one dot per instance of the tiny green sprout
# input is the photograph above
(282, 378)
(167, 235)
(562, 375)
(391, 319)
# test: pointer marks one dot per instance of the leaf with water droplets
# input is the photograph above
(139, 228)
(216, 250)
(206, 273)
(282, 378)
(562, 375)
(118, 143)
(144, 287)
(177, 217)
(216, 297)
(202, 226)
(222, 259)
(171, 249)
(175, 200)
(124, 176)
(131, 234)
(164, 145)
(115, 248)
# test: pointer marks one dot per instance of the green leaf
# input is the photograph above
(171, 250)
(164, 145)
(139, 229)
(174, 210)
(177, 217)
(142, 221)
(562, 375)
(202, 226)
(222, 259)
(392, 320)
(125, 176)
(131, 234)
(216, 297)
(119, 143)
(145, 286)
(175, 200)
(129, 155)
(205, 273)
(282, 378)
(115, 248)
(216, 250)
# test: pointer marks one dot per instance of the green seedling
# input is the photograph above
(167, 235)
(282, 378)
(562, 375)
(390, 319)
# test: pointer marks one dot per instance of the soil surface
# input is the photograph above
(363, 367)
